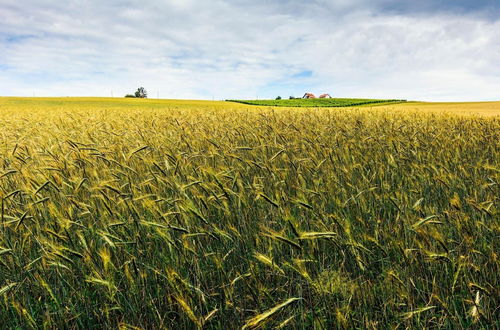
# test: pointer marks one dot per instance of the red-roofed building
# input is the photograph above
(309, 96)
(325, 96)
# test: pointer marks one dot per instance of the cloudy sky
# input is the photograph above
(420, 50)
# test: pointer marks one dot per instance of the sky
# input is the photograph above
(429, 50)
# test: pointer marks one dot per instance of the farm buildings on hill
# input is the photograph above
(312, 96)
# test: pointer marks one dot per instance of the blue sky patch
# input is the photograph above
(18, 38)
(303, 74)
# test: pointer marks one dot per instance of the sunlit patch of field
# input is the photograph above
(189, 214)
(484, 109)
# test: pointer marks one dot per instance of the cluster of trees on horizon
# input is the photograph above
(290, 98)
(140, 93)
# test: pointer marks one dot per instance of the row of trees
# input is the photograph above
(140, 93)
(291, 97)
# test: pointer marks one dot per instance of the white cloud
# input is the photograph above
(230, 49)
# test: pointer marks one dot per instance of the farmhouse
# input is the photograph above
(309, 96)
(312, 96)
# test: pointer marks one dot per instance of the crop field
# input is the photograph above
(125, 213)
(319, 103)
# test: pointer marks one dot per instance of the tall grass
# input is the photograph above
(214, 217)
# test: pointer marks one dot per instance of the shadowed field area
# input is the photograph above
(189, 214)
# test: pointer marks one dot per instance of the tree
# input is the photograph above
(278, 98)
(141, 93)
(292, 97)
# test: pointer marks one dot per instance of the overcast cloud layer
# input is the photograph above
(419, 50)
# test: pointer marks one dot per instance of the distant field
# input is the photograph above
(153, 214)
(318, 103)
(483, 109)
(488, 109)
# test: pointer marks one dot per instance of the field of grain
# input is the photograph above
(319, 103)
(178, 214)
(477, 109)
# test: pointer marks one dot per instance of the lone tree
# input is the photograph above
(141, 93)
(278, 98)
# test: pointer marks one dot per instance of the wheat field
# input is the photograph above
(131, 214)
